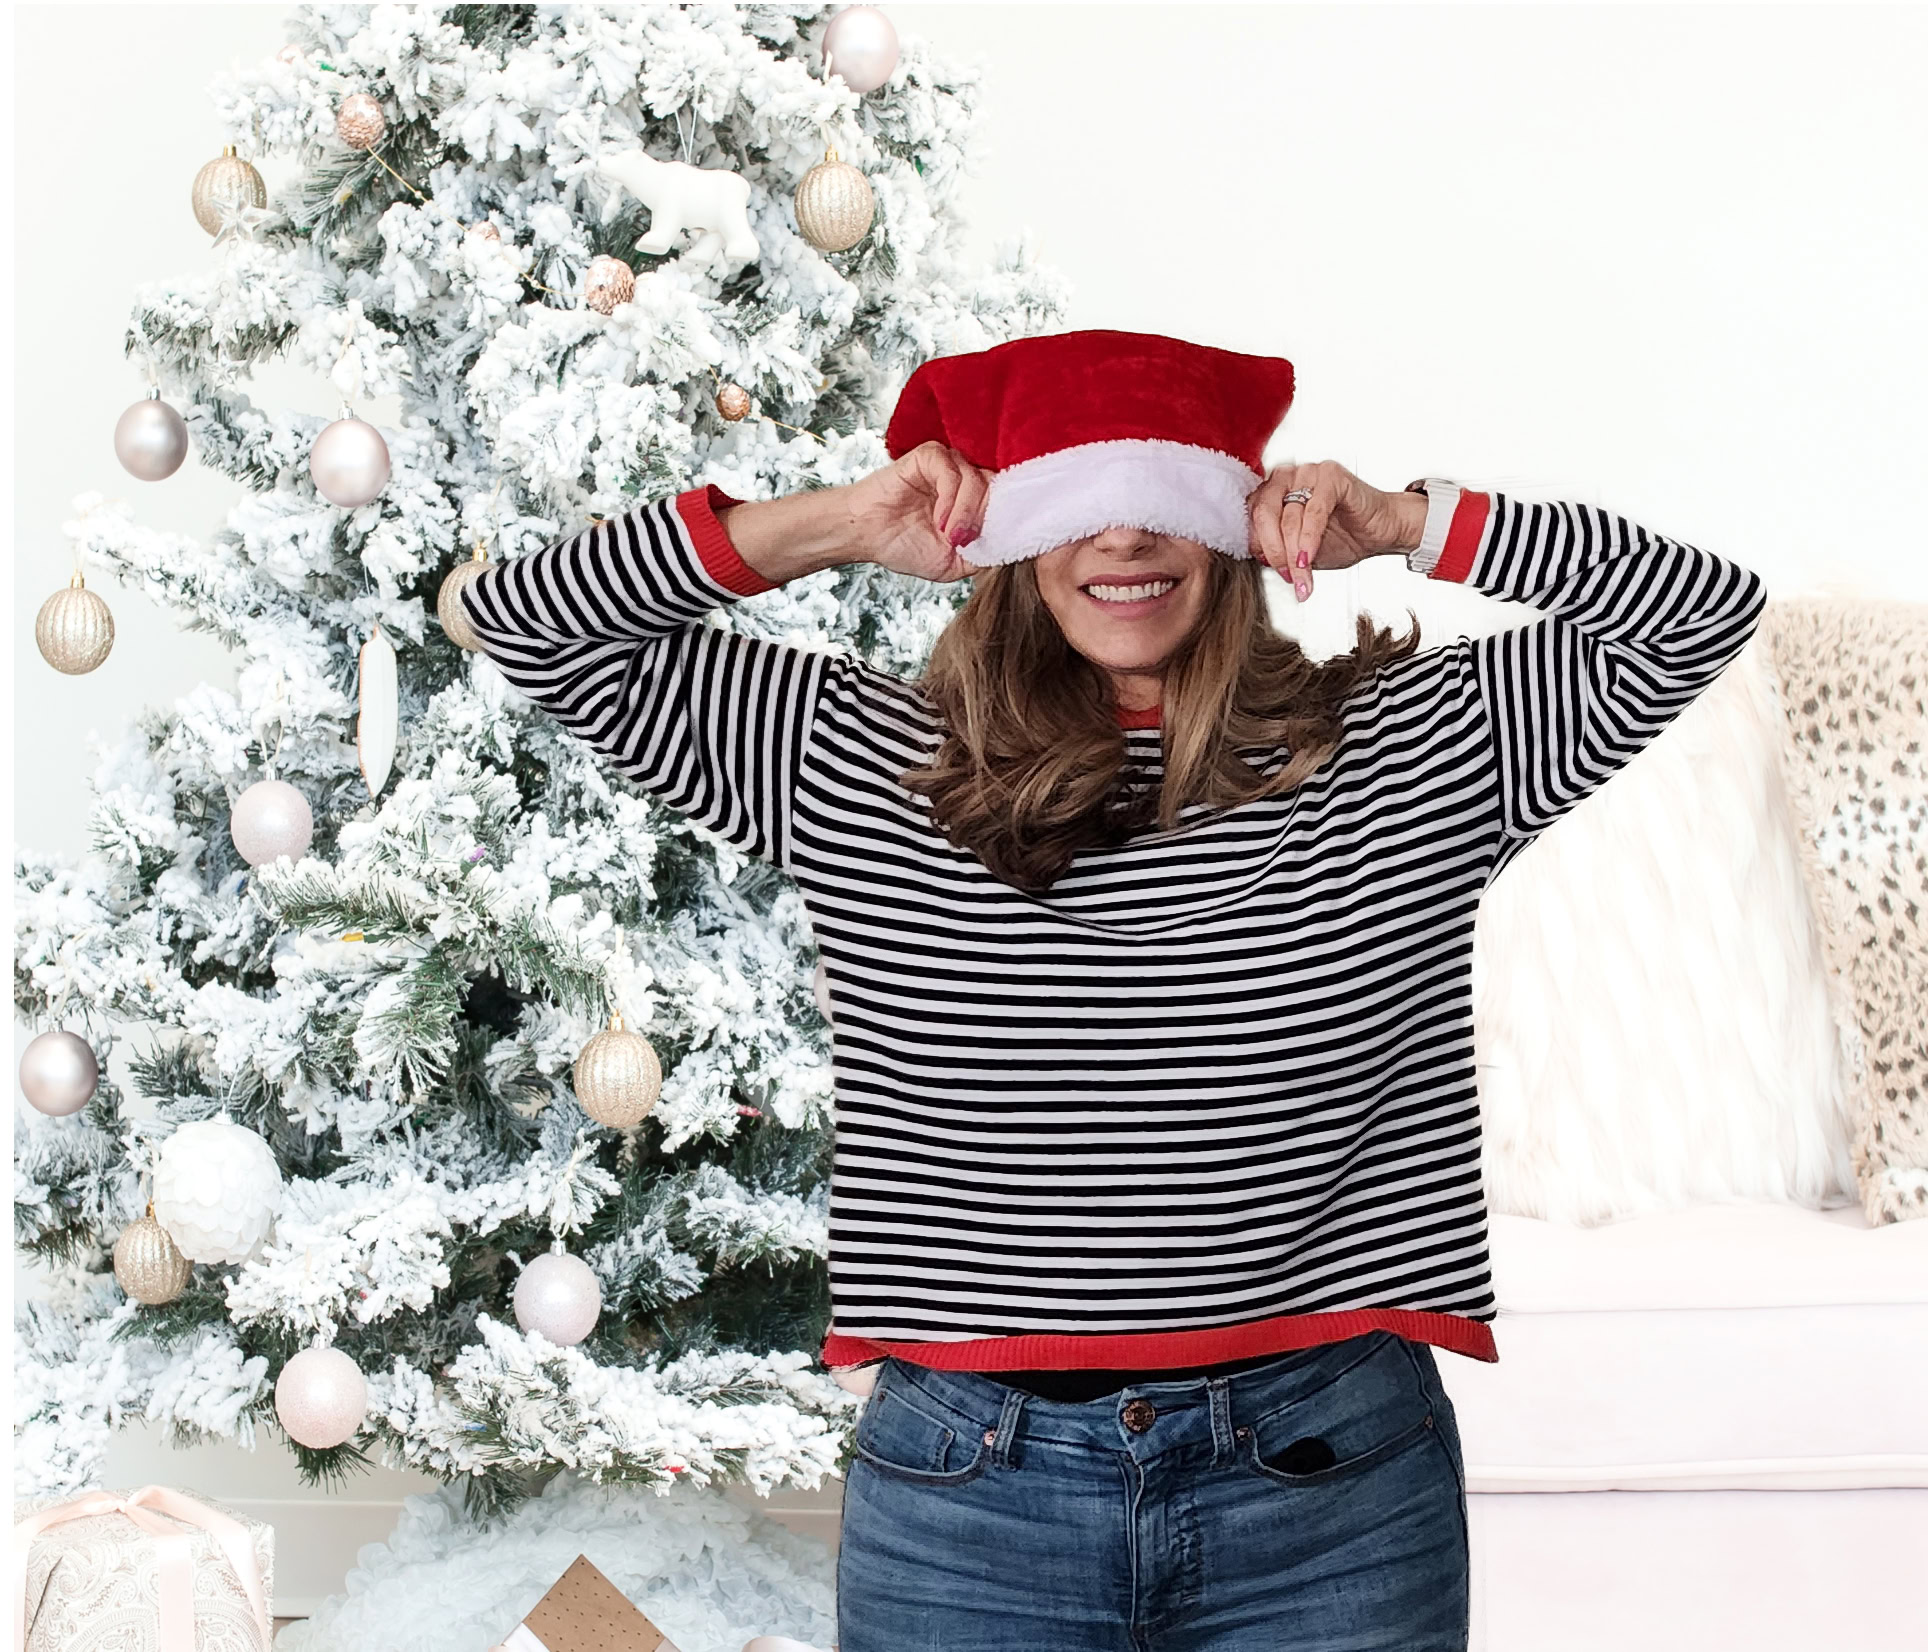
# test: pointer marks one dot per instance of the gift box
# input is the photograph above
(153, 1570)
(585, 1612)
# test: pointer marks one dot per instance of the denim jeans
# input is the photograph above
(1314, 1503)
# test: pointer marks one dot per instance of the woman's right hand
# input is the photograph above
(915, 514)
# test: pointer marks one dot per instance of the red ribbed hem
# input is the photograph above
(699, 508)
(1148, 717)
(1465, 534)
(1158, 1350)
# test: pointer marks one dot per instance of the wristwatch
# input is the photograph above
(1444, 496)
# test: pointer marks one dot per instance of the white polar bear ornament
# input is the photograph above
(709, 201)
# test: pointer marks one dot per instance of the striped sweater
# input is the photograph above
(1213, 1095)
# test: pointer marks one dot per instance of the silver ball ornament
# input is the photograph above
(321, 1398)
(271, 818)
(861, 47)
(149, 1264)
(217, 1189)
(617, 1076)
(59, 1072)
(557, 1297)
(74, 629)
(349, 462)
(151, 439)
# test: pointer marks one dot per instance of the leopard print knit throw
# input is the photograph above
(1850, 674)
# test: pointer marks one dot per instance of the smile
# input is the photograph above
(1131, 598)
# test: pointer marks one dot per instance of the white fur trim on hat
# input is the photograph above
(1166, 487)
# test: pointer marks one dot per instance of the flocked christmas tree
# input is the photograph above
(395, 1008)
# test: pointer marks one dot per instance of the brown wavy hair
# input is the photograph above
(1033, 766)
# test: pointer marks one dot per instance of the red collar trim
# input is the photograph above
(1148, 718)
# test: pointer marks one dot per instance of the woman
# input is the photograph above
(1147, 938)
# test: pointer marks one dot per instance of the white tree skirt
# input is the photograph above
(708, 1572)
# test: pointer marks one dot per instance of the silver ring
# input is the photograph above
(1297, 496)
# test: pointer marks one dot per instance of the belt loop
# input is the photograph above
(1218, 1420)
(1009, 1424)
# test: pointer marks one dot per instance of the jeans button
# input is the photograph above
(1138, 1414)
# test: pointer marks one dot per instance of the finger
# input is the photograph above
(943, 473)
(1292, 515)
(1314, 520)
(1264, 518)
(969, 508)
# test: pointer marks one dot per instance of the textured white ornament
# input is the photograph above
(377, 716)
(148, 1263)
(617, 1076)
(349, 462)
(712, 202)
(271, 818)
(557, 1297)
(861, 47)
(857, 1379)
(321, 1397)
(74, 629)
(217, 1190)
(58, 1072)
(151, 439)
(834, 204)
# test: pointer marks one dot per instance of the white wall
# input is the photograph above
(1670, 259)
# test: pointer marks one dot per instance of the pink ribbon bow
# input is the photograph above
(175, 1546)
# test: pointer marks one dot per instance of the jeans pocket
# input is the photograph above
(905, 1435)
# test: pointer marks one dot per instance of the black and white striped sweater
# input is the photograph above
(1213, 1095)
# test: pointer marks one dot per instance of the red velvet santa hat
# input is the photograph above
(1097, 429)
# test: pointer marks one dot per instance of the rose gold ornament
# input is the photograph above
(485, 231)
(226, 183)
(834, 204)
(148, 1263)
(449, 601)
(608, 283)
(734, 401)
(359, 121)
(74, 629)
(617, 1076)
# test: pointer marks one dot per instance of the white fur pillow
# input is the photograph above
(1652, 1022)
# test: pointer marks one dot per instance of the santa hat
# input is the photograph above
(1097, 429)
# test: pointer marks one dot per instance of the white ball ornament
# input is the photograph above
(321, 1398)
(217, 1189)
(151, 438)
(349, 462)
(557, 1297)
(271, 818)
(861, 47)
(58, 1072)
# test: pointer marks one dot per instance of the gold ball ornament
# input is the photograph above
(617, 1076)
(359, 121)
(734, 401)
(608, 283)
(449, 601)
(149, 1264)
(834, 204)
(224, 184)
(74, 629)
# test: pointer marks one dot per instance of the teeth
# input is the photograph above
(1129, 593)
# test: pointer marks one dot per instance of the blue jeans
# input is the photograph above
(1314, 1503)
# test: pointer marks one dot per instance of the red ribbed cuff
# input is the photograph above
(699, 507)
(1465, 534)
(1158, 1350)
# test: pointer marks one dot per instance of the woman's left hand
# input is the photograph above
(1342, 521)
